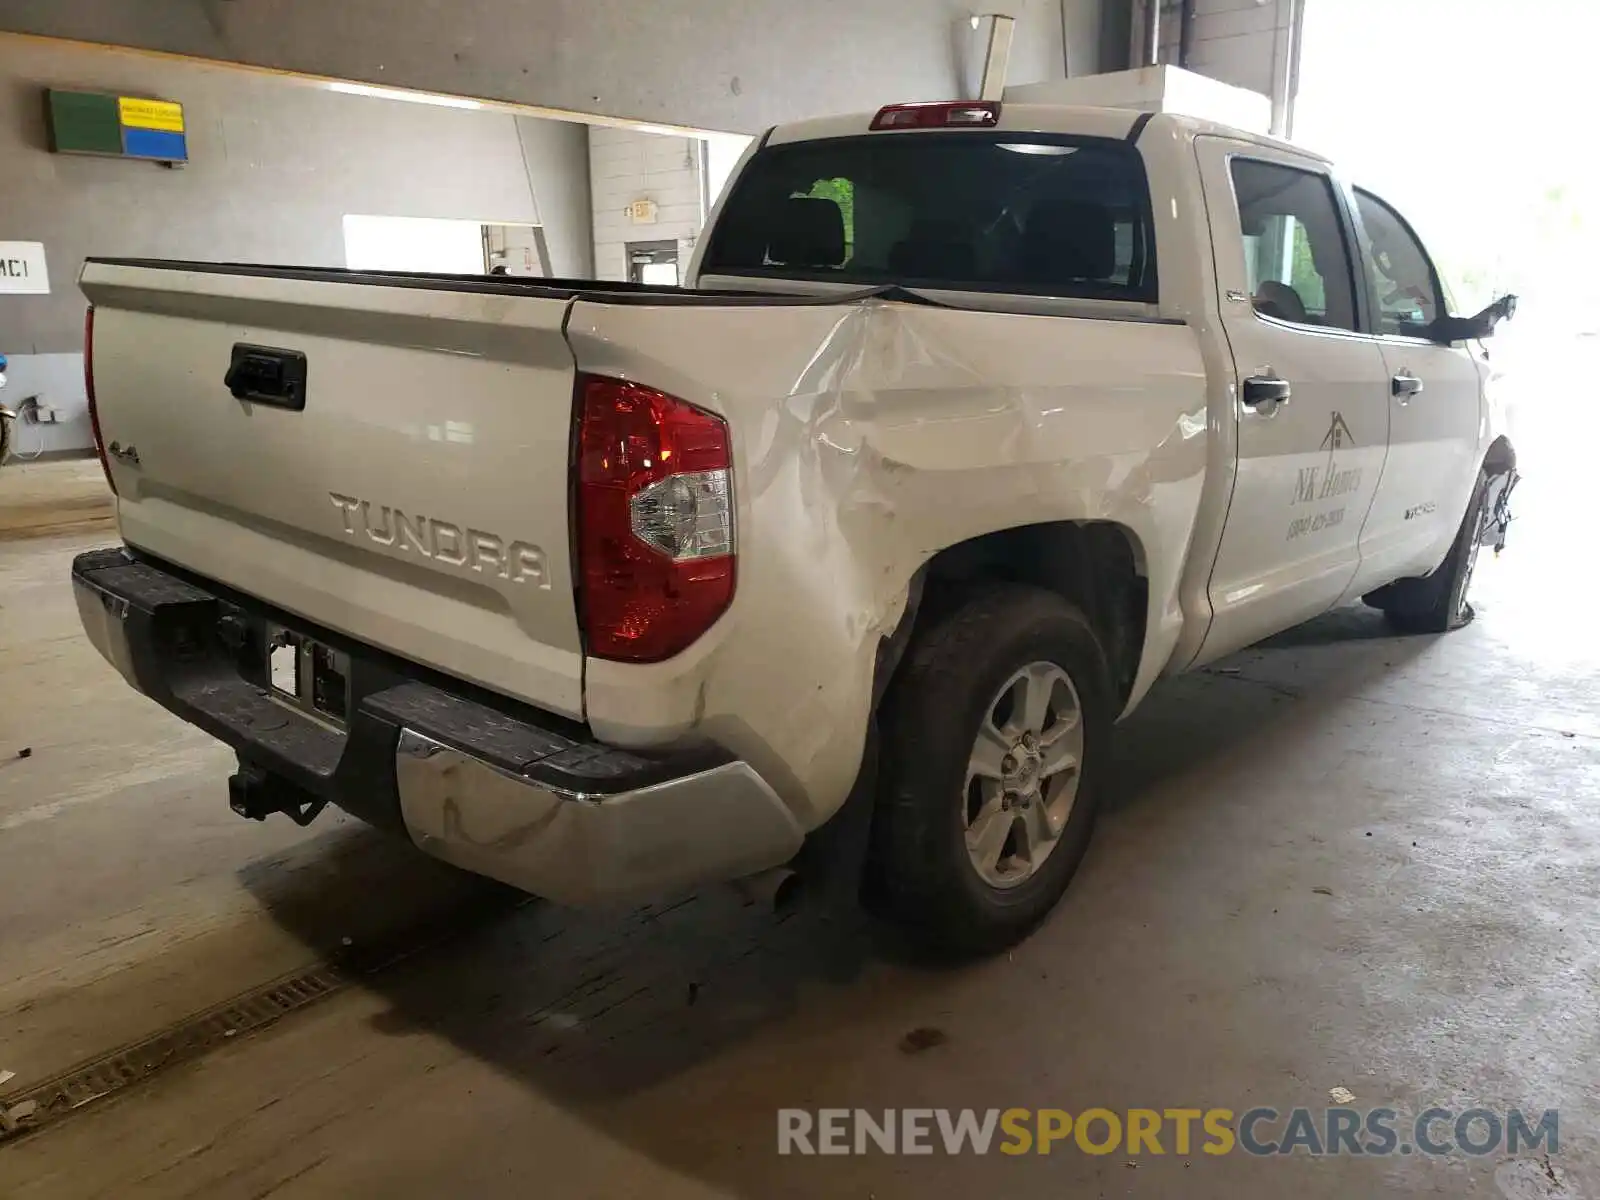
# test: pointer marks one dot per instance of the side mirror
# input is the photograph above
(1480, 325)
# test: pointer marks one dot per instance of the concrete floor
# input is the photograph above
(53, 496)
(1342, 859)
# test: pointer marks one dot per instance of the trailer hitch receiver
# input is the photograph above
(257, 794)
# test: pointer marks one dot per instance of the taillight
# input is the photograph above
(88, 388)
(655, 520)
(944, 114)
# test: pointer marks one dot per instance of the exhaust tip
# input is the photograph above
(775, 889)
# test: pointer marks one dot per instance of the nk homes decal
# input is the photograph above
(1136, 1132)
(1325, 481)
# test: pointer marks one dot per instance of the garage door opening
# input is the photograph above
(1479, 155)
(454, 247)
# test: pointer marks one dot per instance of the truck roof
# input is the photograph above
(1045, 118)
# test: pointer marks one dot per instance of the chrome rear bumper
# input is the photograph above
(716, 824)
(499, 791)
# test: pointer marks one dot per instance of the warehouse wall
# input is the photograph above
(275, 166)
(736, 65)
(627, 166)
(1248, 43)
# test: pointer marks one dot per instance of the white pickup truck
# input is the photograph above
(970, 424)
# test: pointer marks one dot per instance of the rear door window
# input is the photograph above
(1294, 244)
(1029, 213)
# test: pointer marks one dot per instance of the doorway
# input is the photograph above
(653, 262)
(516, 250)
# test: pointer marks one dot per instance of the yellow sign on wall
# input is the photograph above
(150, 114)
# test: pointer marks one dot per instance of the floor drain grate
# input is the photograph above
(40, 1106)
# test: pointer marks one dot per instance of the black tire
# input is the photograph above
(953, 670)
(1437, 603)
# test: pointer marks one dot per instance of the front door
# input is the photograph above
(1434, 414)
(1313, 392)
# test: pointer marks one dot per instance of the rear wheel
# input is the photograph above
(995, 734)
(1437, 603)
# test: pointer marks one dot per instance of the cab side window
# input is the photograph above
(1406, 286)
(1295, 250)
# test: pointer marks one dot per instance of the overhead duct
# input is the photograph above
(1154, 90)
(997, 56)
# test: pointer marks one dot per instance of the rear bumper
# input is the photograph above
(491, 786)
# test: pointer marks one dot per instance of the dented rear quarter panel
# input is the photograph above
(867, 438)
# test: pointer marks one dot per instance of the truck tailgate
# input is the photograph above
(418, 501)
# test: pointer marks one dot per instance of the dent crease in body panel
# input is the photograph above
(865, 442)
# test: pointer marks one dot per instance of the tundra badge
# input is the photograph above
(443, 542)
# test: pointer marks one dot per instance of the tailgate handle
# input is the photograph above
(268, 376)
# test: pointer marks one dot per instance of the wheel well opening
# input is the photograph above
(1501, 459)
(1098, 566)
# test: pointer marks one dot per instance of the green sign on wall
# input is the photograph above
(120, 126)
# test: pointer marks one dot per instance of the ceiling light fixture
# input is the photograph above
(409, 97)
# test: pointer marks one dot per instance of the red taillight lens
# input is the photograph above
(88, 388)
(945, 114)
(655, 520)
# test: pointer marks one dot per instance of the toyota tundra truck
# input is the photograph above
(971, 422)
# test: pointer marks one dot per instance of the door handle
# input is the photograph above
(1266, 390)
(1405, 385)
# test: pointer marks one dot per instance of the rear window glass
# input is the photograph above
(1029, 213)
